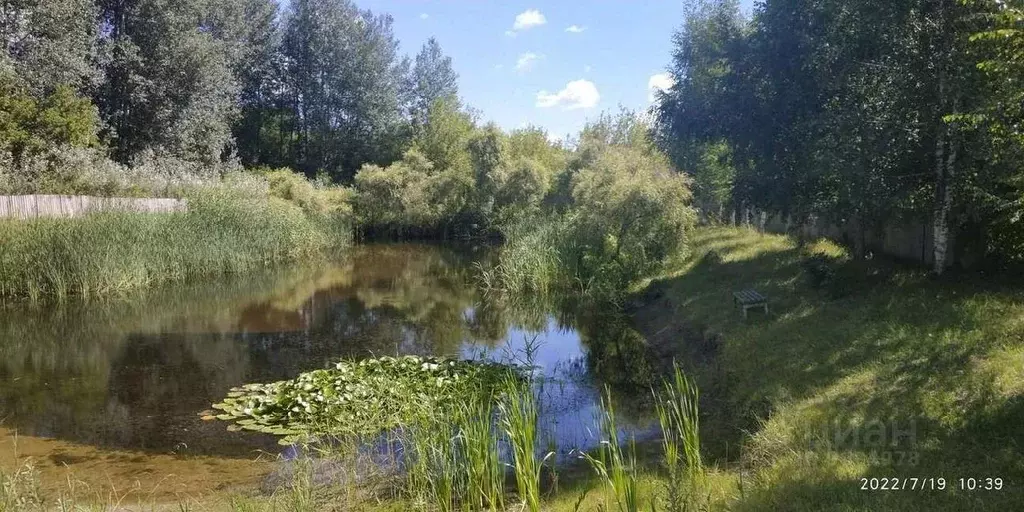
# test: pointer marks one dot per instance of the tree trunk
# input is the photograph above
(945, 157)
(945, 171)
(940, 212)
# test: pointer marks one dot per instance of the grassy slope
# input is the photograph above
(944, 356)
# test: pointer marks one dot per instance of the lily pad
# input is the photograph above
(361, 398)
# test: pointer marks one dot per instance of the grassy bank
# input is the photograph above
(228, 228)
(878, 371)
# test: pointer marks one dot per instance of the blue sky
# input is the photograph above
(520, 63)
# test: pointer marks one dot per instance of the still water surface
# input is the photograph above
(110, 393)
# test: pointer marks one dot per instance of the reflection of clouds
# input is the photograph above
(569, 397)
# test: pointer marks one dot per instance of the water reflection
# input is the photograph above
(134, 374)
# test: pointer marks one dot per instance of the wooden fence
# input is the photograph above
(36, 206)
(908, 240)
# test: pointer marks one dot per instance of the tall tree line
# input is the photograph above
(319, 86)
(861, 111)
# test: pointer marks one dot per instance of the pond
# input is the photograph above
(109, 393)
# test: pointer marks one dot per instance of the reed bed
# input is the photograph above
(223, 231)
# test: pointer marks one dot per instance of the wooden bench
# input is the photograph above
(749, 299)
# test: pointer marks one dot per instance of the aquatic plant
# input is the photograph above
(519, 412)
(615, 467)
(678, 415)
(361, 398)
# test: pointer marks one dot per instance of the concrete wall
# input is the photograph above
(36, 206)
(908, 240)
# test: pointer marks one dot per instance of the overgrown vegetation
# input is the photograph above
(232, 226)
(463, 441)
(419, 163)
(363, 398)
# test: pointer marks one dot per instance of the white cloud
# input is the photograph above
(658, 82)
(424, 16)
(575, 29)
(510, 33)
(499, 66)
(528, 19)
(587, 68)
(525, 61)
(576, 94)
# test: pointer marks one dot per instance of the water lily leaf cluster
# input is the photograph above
(361, 398)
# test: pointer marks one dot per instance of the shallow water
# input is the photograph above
(109, 393)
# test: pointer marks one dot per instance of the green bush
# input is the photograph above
(30, 126)
(521, 185)
(830, 268)
(629, 216)
(319, 200)
(632, 213)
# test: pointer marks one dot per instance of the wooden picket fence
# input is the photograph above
(37, 206)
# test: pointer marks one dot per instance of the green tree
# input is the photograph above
(486, 150)
(30, 127)
(169, 83)
(432, 79)
(444, 137)
(344, 80)
(259, 69)
(51, 43)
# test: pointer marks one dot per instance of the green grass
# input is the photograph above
(223, 231)
(896, 348)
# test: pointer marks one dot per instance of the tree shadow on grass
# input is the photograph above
(903, 350)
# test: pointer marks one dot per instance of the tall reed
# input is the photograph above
(453, 457)
(485, 474)
(223, 231)
(678, 414)
(519, 412)
(616, 468)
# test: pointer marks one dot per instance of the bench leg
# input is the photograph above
(765, 308)
(745, 312)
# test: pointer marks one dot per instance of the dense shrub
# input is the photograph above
(632, 213)
(318, 200)
(829, 267)
(520, 186)
(87, 171)
(629, 215)
(30, 126)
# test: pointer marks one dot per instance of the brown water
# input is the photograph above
(108, 394)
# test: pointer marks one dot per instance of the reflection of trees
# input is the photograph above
(134, 373)
(617, 356)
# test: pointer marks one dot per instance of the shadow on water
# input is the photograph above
(135, 373)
